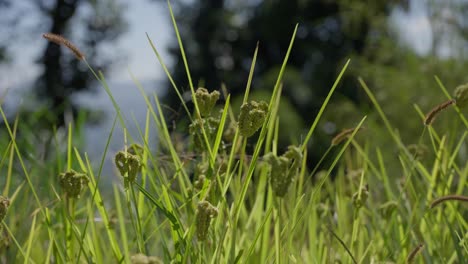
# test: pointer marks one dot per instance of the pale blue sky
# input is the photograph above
(145, 16)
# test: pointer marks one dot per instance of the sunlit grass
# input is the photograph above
(223, 203)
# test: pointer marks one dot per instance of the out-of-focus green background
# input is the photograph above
(397, 47)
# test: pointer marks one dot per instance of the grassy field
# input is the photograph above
(218, 198)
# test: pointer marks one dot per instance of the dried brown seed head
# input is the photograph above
(57, 39)
(437, 109)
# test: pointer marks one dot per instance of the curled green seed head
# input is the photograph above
(210, 125)
(251, 117)
(283, 169)
(279, 179)
(206, 101)
(461, 95)
(360, 197)
(387, 209)
(128, 165)
(221, 165)
(73, 183)
(205, 212)
(4, 204)
(135, 149)
(198, 184)
(294, 153)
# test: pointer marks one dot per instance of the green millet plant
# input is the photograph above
(461, 95)
(251, 117)
(73, 183)
(4, 204)
(283, 169)
(205, 212)
(210, 125)
(128, 165)
(360, 197)
(135, 149)
(206, 101)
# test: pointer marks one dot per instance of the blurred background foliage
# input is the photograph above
(90, 24)
(220, 38)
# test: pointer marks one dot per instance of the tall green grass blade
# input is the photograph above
(251, 72)
(171, 80)
(335, 161)
(325, 103)
(239, 201)
(189, 77)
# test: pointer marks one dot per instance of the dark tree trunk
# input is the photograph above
(51, 82)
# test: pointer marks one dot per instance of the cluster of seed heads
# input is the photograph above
(205, 212)
(251, 117)
(73, 183)
(129, 165)
(360, 197)
(283, 169)
(206, 101)
(200, 174)
(136, 149)
(4, 204)
(461, 95)
(209, 124)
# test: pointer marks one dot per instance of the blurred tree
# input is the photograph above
(219, 39)
(90, 24)
(401, 77)
(100, 22)
(4, 7)
(449, 25)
